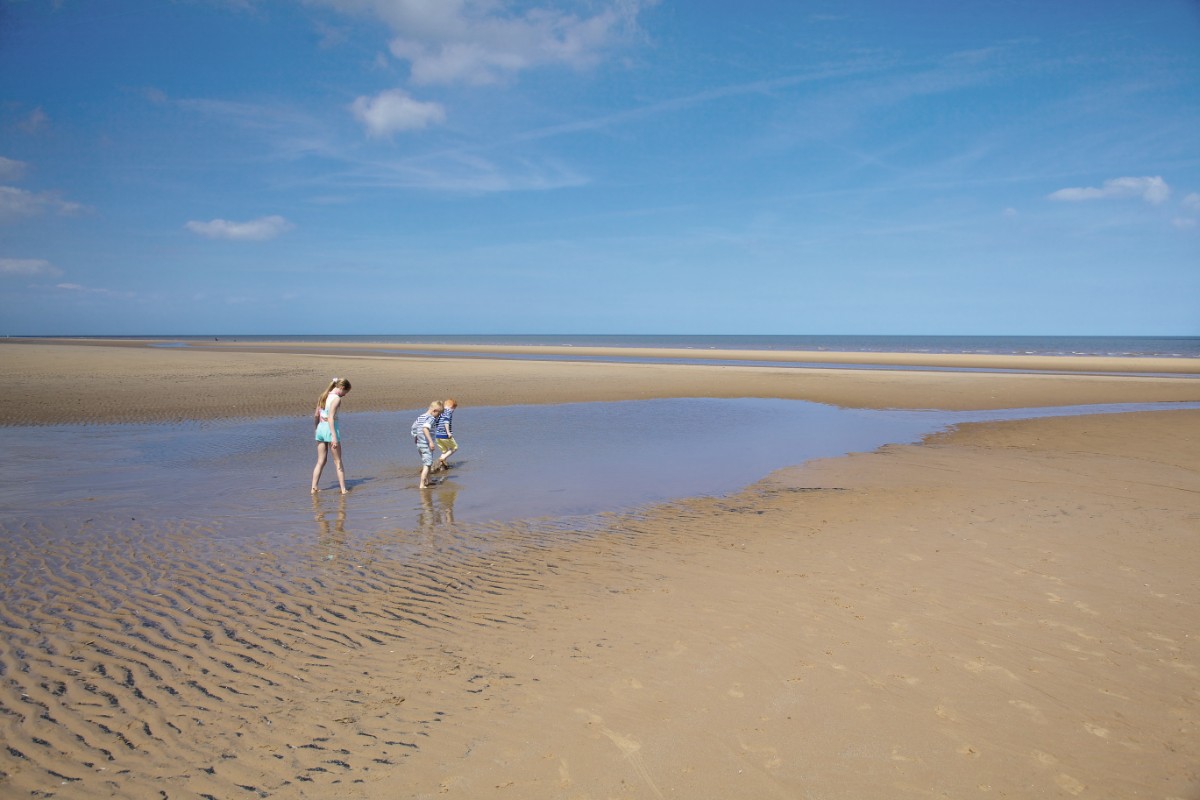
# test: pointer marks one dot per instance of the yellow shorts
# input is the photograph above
(446, 445)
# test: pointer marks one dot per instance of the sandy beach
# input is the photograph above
(1004, 610)
(123, 381)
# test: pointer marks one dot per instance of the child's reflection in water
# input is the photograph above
(437, 506)
(330, 533)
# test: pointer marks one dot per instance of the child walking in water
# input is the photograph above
(328, 437)
(422, 433)
(444, 434)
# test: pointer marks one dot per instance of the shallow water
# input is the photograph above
(249, 478)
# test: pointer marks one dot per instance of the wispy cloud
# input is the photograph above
(289, 131)
(1153, 190)
(17, 203)
(94, 290)
(1189, 206)
(258, 230)
(10, 169)
(483, 42)
(393, 111)
(464, 167)
(28, 268)
(462, 171)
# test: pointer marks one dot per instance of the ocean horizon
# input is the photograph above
(1112, 346)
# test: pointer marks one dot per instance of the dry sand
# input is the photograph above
(97, 381)
(1008, 610)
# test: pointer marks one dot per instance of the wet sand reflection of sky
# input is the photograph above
(515, 462)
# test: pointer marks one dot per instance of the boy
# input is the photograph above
(422, 433)
(444, 433)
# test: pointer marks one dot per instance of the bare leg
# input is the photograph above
(322, 454)
(337, 463)
(424, 482)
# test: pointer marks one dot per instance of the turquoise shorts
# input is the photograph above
(323, 433)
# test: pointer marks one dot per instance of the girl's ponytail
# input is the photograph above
(325, 394)
(336, 383)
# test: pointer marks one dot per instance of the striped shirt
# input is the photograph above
(426, 420)
(444, 430)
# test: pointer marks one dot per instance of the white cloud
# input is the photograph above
(10, 169)
(16, 203)
(487, 41)
(393, 111)
(1190, 205)
(28, 267)
(1153, 190)
(259, 229)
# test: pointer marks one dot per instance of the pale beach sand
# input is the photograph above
(98, 381)
(1005, 610)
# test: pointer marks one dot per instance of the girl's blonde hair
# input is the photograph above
(336, 383)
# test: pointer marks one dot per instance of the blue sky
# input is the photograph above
(599, 166)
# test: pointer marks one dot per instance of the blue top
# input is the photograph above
(426, 420)
(443, 430)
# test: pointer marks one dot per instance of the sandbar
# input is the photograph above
(122, 381)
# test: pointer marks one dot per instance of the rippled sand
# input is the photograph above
(1005, 610)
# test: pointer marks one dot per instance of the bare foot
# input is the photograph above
(314, 490)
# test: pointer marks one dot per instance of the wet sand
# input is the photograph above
(1006, 610)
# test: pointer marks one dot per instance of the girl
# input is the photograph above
(328, 436)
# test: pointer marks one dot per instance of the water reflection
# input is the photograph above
(330, 533)
(437, 506)
(590, 458)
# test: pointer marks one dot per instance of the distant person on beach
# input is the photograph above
(422, 433)
(328, 437)
(443, 433)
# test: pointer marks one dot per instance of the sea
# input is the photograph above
(1125, 346)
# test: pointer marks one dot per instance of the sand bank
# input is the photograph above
(1008, 610)
(123, 381)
